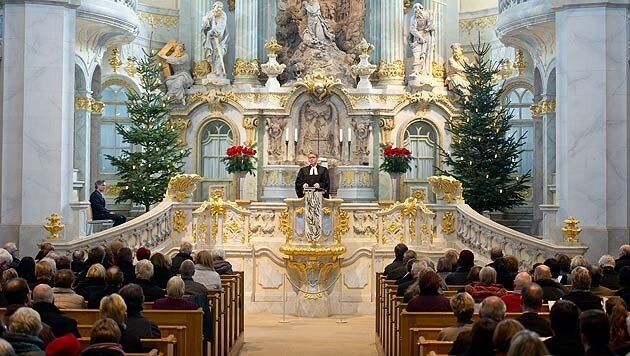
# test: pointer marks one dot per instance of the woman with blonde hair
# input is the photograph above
(503, 334)
(104, 339)
(204, 270)
(113, 306)
(528, 343)
(93, 283)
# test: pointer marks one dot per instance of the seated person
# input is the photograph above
(114, 307)
(486, 286)
(174, 297)
(24, 326)
(144, 272)
(581, 293)
(565, 341)
(104, 339)
(503, 335)
(65, 297)
(463, 306)
(97, 203)
(137, 324)
(429, 299)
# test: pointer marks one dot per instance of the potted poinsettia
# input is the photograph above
(240, 160)
(396, 160)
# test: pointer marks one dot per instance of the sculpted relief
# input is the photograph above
(318, 125)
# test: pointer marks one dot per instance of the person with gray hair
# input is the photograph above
(581, 293)
(5, 259)
(185, 251)
(174, 297)
(13, 250)
(492, 307)
(6, 349)
(43, 299)
(24, 326)
(624, 258)
(221, 266)
(513, 299)
(144, 272)
(610, 278)
(463, 306)
(187, 271)
(486, 286)
(552, 290)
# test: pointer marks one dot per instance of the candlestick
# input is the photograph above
(295, 136)
(340, 135)
(286, 135)
(349, 134)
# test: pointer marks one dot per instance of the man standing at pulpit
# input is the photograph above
(312, 175)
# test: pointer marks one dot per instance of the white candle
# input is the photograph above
(340, 135)
(349, 134)
(295, 136)
(286, 134)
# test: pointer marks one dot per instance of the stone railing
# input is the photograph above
(410, 223)
(219, 222)
(132, 4)
(506, 4)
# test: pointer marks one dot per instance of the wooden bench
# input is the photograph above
(164, 346)
(425, 347)
(178, 331)
(150, 353)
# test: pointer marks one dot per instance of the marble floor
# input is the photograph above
(265, 335)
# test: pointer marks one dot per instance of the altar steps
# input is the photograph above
(519, 219)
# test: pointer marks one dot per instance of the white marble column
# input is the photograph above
(197, 9)
(37, 117)
(246, 42)
(392, 41)
(81, 158)
(592, 122)
(373, 27)
(268, 26)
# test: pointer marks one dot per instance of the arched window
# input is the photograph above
(114, 98)
(421, 139)
(519, 100)
(216, 137)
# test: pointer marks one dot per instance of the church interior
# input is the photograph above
(339, 78)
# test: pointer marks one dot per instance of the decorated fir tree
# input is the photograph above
(155, 154)
(484, 156)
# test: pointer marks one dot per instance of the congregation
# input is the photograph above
(36, 291)
(563, 306)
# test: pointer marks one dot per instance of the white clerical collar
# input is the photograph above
(313, 170)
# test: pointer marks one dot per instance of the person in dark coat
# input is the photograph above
(114, 280)
(552, 290)
(581, 293)
(465, 262)
(401, 271)
(624, 283)
(174, 299)
(399, 251)
(624, 258)
(595, 333)
(24, 326)
(221, 266)
(113, 306)
(610, 277)
(137, 324)
(93, 283)
(144, 272)
(565, 341)
(429, 299)
(312, 175)
(26, 269)
(532, 299)
(161, 270)
(97, 203)
(187, 270)
(125, 263)
(185, 251)
(60, 324)
(77, 261)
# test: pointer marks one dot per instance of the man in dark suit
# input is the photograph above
(97, 201)
(532, 300)
(43, 298)
(312, 175)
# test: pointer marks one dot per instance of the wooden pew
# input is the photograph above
(178, 331)
(153, 352)
(192, 319)
(424, 347)
(164, 346)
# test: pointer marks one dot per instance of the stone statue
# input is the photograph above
(275, 128)
(318, 124)
(455, 71)
(420, 38)
(215, 38)
(316, 31)
(362, 130)
(180, 80)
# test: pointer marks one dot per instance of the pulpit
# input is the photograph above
(313, 227)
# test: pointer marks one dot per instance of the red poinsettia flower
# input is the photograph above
(240, 159)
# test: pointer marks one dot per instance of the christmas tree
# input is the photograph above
(155, 155)
(484, 156)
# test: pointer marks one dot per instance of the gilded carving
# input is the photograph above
(54, 226)
(519, 62)
(113, 190)
(182, 186)
(387, 125)
(448, 222)
(245, 68)
(475, 24)
(394, 70)
(114, 61)
(286, 225)
(571, 230)
(437, 70)
(419, 193)
(130, 67)
(179, 221)
(449, 187)
(406, 5)
(343, 225)
(250, 123)
(97, 107)
(326, 210)
(214, 98)
(231, 4)
(272, 46)
(364, 47)
(318, 84)
(347, 179)
(83, 103)
(299, 211)
(201, 69)
(422, 98)
(155, 20)
(543, 107)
